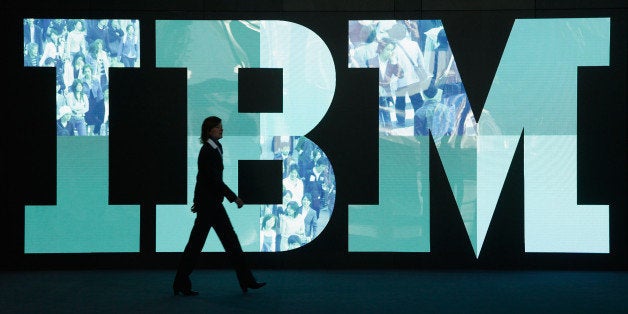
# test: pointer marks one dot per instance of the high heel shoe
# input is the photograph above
(251, 285)
(187, 293)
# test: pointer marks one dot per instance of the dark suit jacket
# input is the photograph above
(210, 190)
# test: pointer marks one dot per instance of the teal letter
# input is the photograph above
(213, 52)
(400, 222)
(534, 91)
(82, 221)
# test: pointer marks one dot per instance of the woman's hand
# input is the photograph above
(239, 202)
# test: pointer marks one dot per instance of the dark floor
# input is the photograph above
(317, 291)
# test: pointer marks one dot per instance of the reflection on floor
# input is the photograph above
(317, 291)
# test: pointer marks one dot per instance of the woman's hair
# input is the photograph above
(93, 47)
(266, 218)
(294, 239)
(293, 167)
(52, 31)
(208, 124)
(295, 207)
(87, 66)
(76, 83)
(76, 57)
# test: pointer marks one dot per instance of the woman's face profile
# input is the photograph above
(216, 132)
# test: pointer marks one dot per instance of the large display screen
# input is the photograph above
(421, 101)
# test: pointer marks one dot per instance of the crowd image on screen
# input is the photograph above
(308, 195)
(420, 89)
(82, 51)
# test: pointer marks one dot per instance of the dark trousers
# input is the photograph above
(206, 218)
(417, 102)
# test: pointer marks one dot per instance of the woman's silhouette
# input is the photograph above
(209, 192)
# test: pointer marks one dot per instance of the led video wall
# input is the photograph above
(421, 101)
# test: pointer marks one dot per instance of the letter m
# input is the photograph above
(534, 97)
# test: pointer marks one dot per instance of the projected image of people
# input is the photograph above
(420, 87)
(309, 193)
(82, 50)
